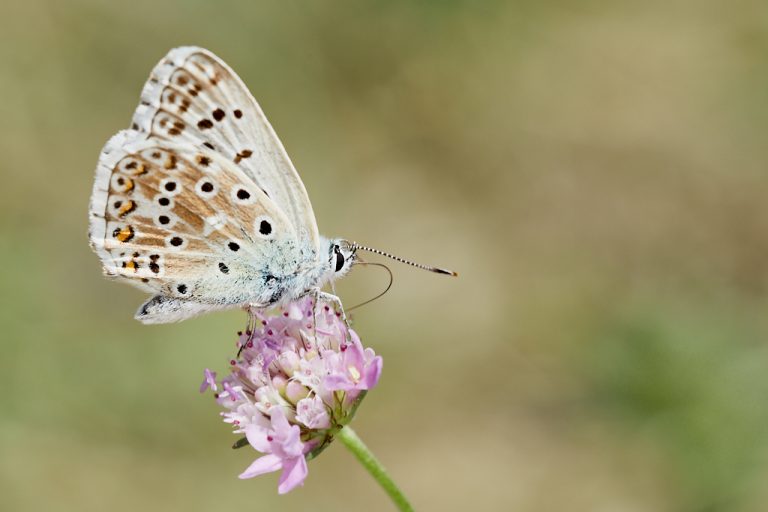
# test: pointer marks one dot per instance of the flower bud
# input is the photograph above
(295, 391)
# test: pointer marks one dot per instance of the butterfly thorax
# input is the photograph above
(287, 274)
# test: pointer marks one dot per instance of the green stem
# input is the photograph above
(348, 436)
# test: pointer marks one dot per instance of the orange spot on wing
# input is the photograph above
(126, 208)
(123, 234)
(140, 169)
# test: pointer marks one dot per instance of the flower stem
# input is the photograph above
(348, 436)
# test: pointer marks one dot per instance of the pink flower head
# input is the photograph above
(297, 381)
(284, 450)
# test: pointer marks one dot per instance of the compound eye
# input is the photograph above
(339, 258)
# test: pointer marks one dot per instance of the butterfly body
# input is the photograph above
(199, 204)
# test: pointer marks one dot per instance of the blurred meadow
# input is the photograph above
(596, 172)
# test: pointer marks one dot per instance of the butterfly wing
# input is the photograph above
(198, 202)
(190, 225)
(193, 97)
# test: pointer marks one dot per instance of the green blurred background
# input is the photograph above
(596, 171)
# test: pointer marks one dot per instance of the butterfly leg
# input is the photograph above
(338, 308)
(253, 311)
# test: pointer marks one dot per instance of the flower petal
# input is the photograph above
(294, 472)
(257, 437)
(372, 373)
(337, 383)
(265, 464)
(279, 421)
(292, 445)
(353, 355)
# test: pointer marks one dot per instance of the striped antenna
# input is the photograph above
(356, 246)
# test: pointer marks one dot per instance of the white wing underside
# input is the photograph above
(237, 215)
(209, 245)
(200, 84)
(188, 86)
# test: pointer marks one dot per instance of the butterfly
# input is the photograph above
(198, 203)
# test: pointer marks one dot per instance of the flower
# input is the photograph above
(298, 379)
(209, 381)
(284, 450)
(354, 368)
(312, 413)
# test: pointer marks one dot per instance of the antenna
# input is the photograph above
(356, 246)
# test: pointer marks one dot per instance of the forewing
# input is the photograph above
(184, 222)
(193, 97)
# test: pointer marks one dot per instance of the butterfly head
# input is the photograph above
(341, 257)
